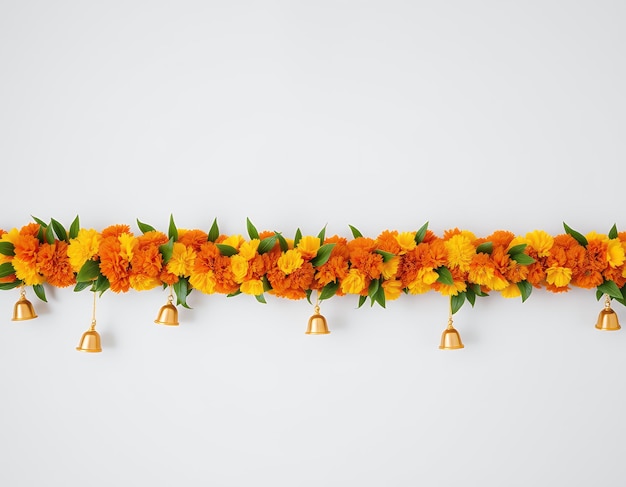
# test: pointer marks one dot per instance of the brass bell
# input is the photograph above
(23, 309)
(90, 341)
(607, 319)
(168, 315)
(450, 338)
(317, 324)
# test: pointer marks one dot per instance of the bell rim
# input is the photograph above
(608, 329)
(25, 319)
(317, 332)
(89, 351)
(166, 324)
(452, 348)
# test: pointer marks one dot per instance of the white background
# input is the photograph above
(383, 115)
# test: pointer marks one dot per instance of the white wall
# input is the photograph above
(383, 115)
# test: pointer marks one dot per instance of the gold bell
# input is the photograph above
(450, 338)
(607, 319)
(317, 324)
(168, 315)
(23, 309)
(90, 341)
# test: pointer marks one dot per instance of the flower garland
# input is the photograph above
(457, 264)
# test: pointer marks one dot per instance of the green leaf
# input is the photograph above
(609, 287)
(297, 238)
(373, 288)
(526, 288)
(227, 250)
(457, 301)
(172, 231)
(7, 248)
(10, 285)
(478, 291)
(421, 233)
(6, 269)
(470, 295)
(181, 289)
(234, 293)
(252, 231)
(445, 276)
(599, 294)
(144, 227)
(322, 235)
(580, 238)
(308, 293)
(88, 272)
(613, 232)
(485, 248)
(266, 284)
(284, 246)
(214, 232)
(379, 297)
(267, 244)
(75, 227)
(59, 230)
(260, 298)
(523, 259)
(101, 284)
(387, 256)
(517, 249)
(40, 292)
(49, 235)
(362, 300)
(355, 232)
(329, 290)
(167, 250)
(80, 286)
(41, 222)
(323, 254)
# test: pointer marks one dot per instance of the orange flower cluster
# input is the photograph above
(456, 264)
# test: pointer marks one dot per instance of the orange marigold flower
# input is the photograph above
(115, 231)
(369, 263)
(361, 243)
(192, 238)
(115, 268)
(54, 263)
(387, 242)
(336, 268)
(31, 229)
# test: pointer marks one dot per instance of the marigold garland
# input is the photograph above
(457, 264)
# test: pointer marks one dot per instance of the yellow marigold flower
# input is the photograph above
(203, 281)
(354, 282)
(517, 241)
(141, 282)
(541, 241)
(11, 236)
(248, 250)
(406, 241)
(418, 287)
(27, 272)
(615, 253)
(393, 289)
(597, 236)
(558, 276)
(452, 289)
(253, 286)
(290, 261)
(390, 268)
(308, 246)
(482, 275)
(460, 251)
(497, 283)
(468, 234)
(128, 243)
(422, 283)
(239, 266)
(511, 291)
(234, 241)
(182, 261)
(83, 247)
